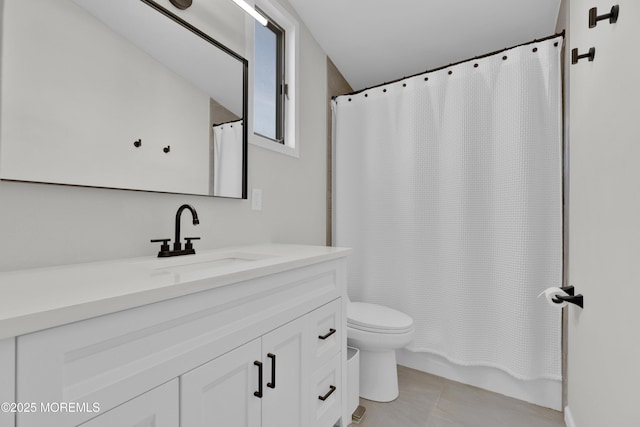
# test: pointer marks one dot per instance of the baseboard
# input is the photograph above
(568, 417)
(547, 393)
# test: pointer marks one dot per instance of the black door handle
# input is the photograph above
(326, 396)
(272, 384)
(328, 334)
(259, 392)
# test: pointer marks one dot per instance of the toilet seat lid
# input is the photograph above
(361, 315)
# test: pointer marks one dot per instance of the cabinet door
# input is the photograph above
(7, 377)
(221, 392)
(155, 408)
(287, 349)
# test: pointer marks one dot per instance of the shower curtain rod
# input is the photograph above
(561, 34)
(227, 122)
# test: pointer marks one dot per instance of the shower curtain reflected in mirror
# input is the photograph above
(448, 185)
(227, 159)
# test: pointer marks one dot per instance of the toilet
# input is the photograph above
(377, 331)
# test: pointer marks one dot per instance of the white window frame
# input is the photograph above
(291, 28)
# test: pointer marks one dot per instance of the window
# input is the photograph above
(269, 84)
(273, 75)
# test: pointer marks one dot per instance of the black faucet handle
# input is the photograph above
(165, 244)
(189, 245)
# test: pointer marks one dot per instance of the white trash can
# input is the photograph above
(353, 379)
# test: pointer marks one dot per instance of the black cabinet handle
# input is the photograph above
(259, 392)
(326, 396)
(272, 384)
(328, 334)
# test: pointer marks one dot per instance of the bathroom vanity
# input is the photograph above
(250, 336)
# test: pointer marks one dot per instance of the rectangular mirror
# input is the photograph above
(120, 94)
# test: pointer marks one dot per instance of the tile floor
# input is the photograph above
(429, 401)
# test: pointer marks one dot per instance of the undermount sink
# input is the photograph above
(194, 263)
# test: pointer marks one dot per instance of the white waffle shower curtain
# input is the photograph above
(448, 186)
(227, 159)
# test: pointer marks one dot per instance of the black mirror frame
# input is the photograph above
(245, 83)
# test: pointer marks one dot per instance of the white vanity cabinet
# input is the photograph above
(274, 381)
(7, 384)
(198, 357)
(248, 397)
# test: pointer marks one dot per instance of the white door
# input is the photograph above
(286, 403)
(603, 373)
(155, 408)
(222, 392)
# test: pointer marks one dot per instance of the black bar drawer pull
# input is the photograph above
(272, 384)
(329, 393)
(259, 392)
(328, 334)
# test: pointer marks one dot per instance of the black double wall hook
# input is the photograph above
(571, 298)
(575, 57)
(611, 16)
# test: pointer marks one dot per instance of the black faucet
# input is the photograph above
(177, 245)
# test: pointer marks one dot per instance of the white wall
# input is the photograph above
(43, 225)
(604, 245)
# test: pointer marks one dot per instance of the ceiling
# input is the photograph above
(375, 41)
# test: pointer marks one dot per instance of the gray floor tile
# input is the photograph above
(429, 401)
(435, 421)
(469, 406)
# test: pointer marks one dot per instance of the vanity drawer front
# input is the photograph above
(326, 394)
(327, 327)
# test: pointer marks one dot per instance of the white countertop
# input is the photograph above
(41, 298)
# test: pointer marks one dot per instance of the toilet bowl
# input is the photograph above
(377, 331)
